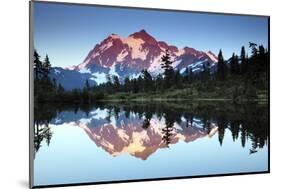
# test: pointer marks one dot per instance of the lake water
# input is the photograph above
(111, 142)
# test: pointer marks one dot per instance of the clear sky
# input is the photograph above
(67, 33)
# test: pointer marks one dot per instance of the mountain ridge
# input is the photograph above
(128, 56)
(139, 48)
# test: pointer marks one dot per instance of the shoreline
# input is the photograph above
(162, 100)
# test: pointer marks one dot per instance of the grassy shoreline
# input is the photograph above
(181, 95)
(230, 101)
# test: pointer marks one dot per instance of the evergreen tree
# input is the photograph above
(261, 50)
(177, 79)
(37, 64)
(221, 128)
(135, 86)
(254, 49)
(221, 67)
(236, 64)
(244, 63)
(86, 92)
(168, 69)
(262, 60)
(167, 131)
(205, 75)
(48, 134)
(232, 67)
(147, 80)
(108, 85)
(159, 82)
(127, 85)
(46, 67)
(116, 83)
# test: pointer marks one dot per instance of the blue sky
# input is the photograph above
(67, 33)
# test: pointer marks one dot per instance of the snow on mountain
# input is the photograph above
(125, 135)
(128, 56)
(212, 56)
(56, 71)
(130, 138)
(70, 79)
(155, 66)
(99, 78)
(135, 45)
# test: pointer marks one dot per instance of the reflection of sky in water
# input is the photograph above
(73, 157)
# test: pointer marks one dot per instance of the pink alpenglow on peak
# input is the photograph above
(212, 56)
(114, 36)
(141, 143)
(127, 56)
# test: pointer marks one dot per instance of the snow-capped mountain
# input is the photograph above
(125, 135)
(126, 57)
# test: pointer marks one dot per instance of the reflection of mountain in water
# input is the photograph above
(142, 129)
(126, 135)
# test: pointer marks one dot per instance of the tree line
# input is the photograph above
(47, 89)
(250, 74)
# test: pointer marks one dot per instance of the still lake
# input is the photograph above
(124, 141)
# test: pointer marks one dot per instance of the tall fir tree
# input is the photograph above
(46, 67)
(236, 64)
(232, 67)
(244, 63)
(221, 67)
(168, 69)
(37, 65)
(254, 49)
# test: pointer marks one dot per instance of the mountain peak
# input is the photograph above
(114, 36)
(142, 34)
(127, 56)
(143, 31)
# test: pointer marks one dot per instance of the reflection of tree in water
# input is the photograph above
(116, 111)
(167, 134)
(41, 132)
(222, 125)
(167, 131)
(44, 113)
(206, 124)
(147, 118)
(248, 122)
(109, 114)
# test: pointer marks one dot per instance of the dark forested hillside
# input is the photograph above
(241, 78)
